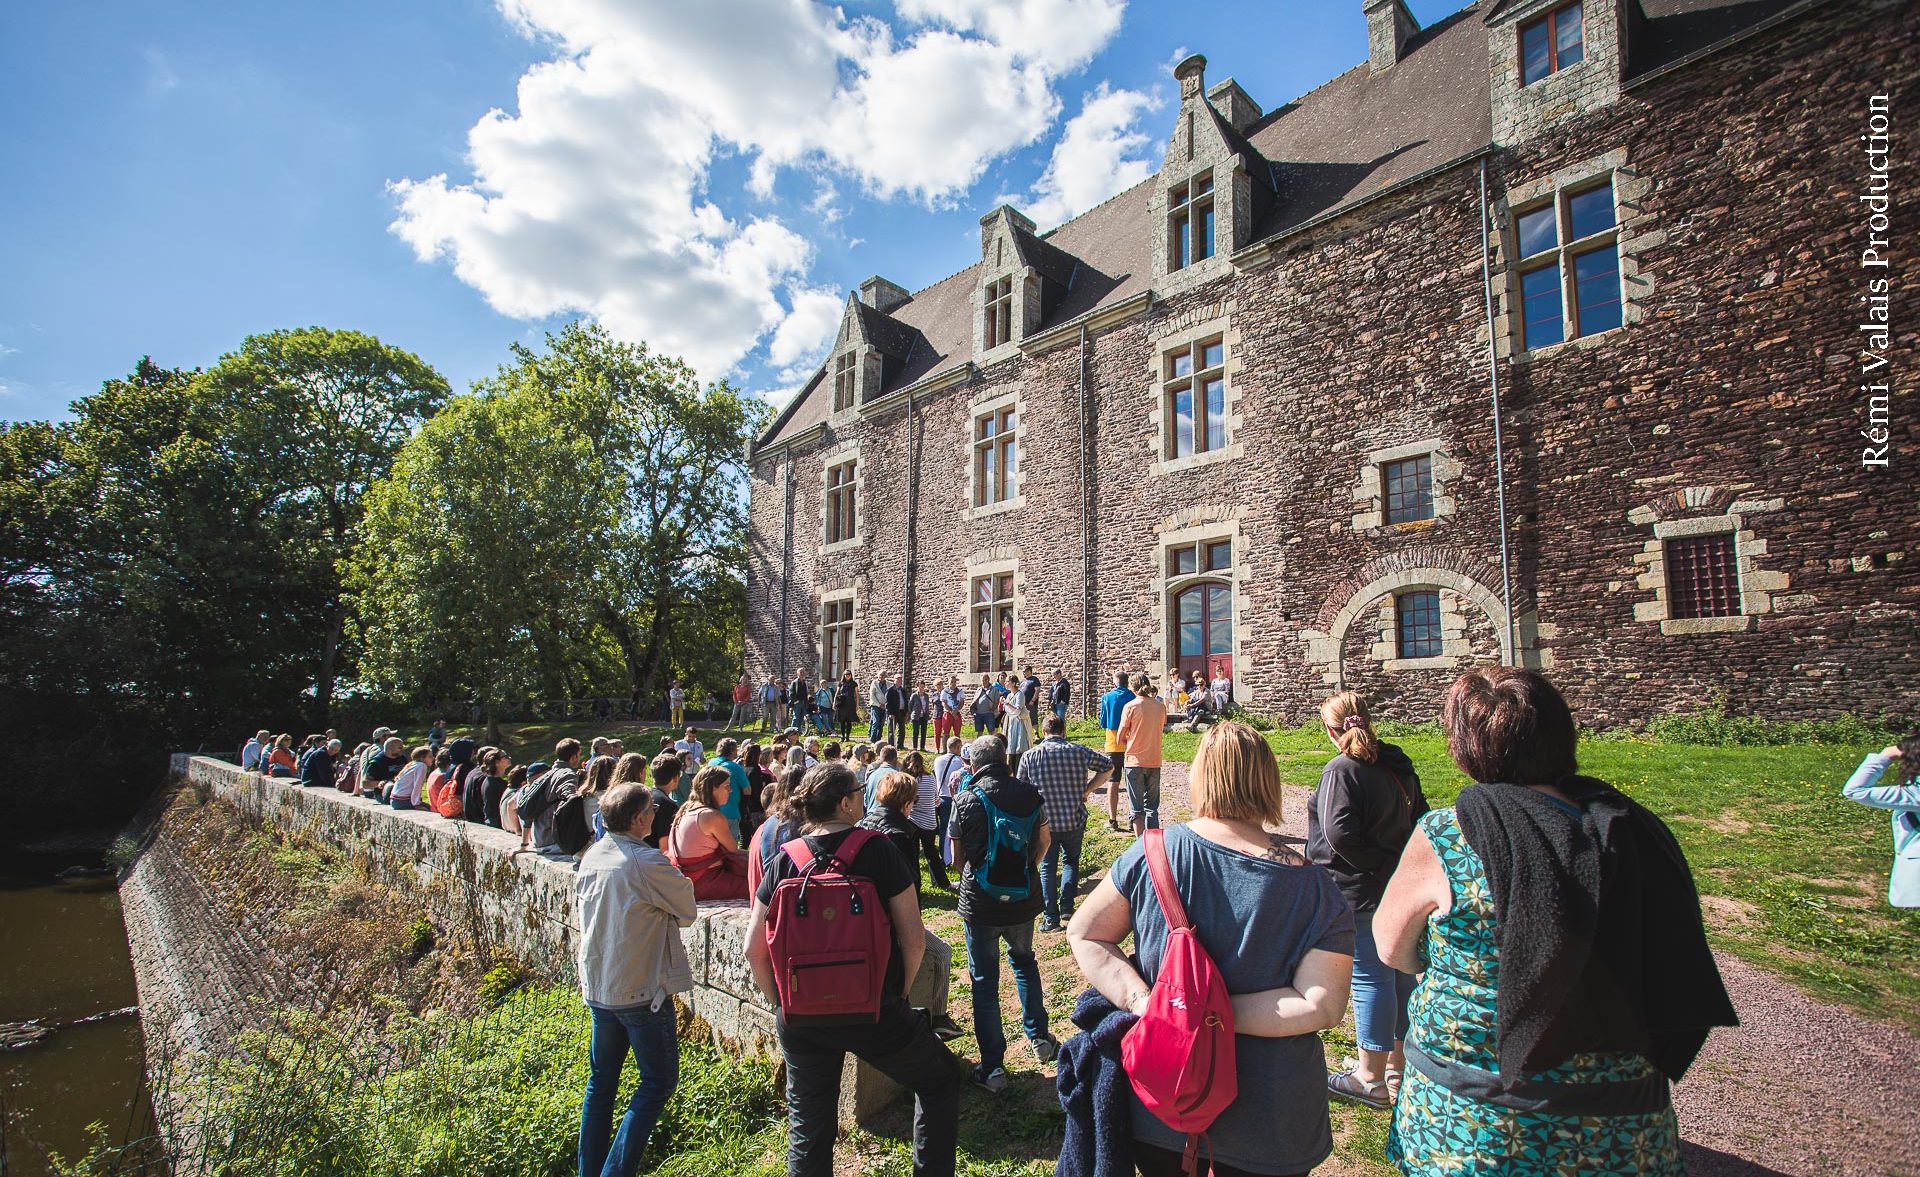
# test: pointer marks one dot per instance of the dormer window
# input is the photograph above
(843, 382)
(1551, 43)
(999, 313)
(1190, 222)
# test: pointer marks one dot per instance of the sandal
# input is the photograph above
(1347, 1085)
(1392, 1077)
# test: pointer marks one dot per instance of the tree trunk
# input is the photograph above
(622, 630)
(656, 640)
(329, 658)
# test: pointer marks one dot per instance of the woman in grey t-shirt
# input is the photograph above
(1281, 935)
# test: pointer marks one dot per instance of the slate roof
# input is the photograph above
(1360, 133)
(1340, 143)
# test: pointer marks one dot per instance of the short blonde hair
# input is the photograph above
(1235, 777)
(896, 790)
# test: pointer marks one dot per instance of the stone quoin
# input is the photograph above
(1252, 406)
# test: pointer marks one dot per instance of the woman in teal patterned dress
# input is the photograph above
(1565, 1103)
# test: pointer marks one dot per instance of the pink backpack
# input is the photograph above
(1179, 1055)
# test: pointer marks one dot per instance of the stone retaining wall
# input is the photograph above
(474, 878)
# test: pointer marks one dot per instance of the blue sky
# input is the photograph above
(709, 176)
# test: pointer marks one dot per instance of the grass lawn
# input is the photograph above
(1793, 879)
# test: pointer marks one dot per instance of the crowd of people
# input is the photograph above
(1516, 1006)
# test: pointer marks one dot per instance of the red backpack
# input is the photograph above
(1179, 1055)
(829, 934)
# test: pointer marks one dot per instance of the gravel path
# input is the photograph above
(1798, 1088)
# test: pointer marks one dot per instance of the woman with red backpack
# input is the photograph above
(844, 893)
(1245, 950)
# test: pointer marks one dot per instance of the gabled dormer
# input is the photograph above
(1553, 60)
(1202, 208)
(1022, 277)
(871, 347)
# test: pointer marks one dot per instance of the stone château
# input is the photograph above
(1532, 338)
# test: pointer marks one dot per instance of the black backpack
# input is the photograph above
(571, 830)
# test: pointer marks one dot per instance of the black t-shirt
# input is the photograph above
(665, 808)
(878, 860)
(384, 768)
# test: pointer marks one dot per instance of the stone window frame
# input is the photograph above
(1186, 528)
(1522, 113)
(1758, 585)
(996, 402)
(1370, 491)
(1455, 647)
(848, 595)
(992, 562)
(1159, 417)
(1633, 233)
(830, 461)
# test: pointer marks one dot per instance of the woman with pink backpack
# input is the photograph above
(1245, 950)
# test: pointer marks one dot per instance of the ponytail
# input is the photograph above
(1345, 716)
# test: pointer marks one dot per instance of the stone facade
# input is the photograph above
(1353, 309)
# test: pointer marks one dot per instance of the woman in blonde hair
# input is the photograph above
(1277, 929)
(1359, 821)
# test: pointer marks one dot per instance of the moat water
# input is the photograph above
(64, 958)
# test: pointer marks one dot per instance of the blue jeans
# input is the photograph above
(1380, 992)
(983, 970)
(656, 1053)
(1065, 850)
(876, 724)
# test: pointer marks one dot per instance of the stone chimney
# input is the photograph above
(881, 294)
(1192, 75)
(1233, 104)
(1389, 27)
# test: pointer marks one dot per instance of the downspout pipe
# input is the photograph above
(1499, 446)
(1088, 673)
(786, 562)
(913, 541)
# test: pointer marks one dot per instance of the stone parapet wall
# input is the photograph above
(474, 878)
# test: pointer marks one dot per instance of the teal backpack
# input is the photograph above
(1004, 876)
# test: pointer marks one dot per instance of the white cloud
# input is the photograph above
(1059, 35)
(594, 194)
(8, 351)
(1101, 152)
(805, 334)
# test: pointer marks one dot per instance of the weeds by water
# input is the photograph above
(491, 1096)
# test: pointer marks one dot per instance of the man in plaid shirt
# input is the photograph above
(1064, 772)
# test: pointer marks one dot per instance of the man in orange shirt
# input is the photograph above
(1142, 725)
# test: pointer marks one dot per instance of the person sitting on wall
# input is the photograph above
(317, 770)
(702, 844)
(255, 753)
(632, 905)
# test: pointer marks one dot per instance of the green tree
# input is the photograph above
(466, 578)
(317, 417)
(136, 610)
(600, 487)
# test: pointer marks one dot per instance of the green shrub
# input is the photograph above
(1716, 728)
(124, 850)
(500, 982)
(420, 939)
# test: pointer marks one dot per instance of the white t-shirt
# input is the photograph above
(693, 746)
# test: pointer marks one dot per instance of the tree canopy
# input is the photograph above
(571, 527)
